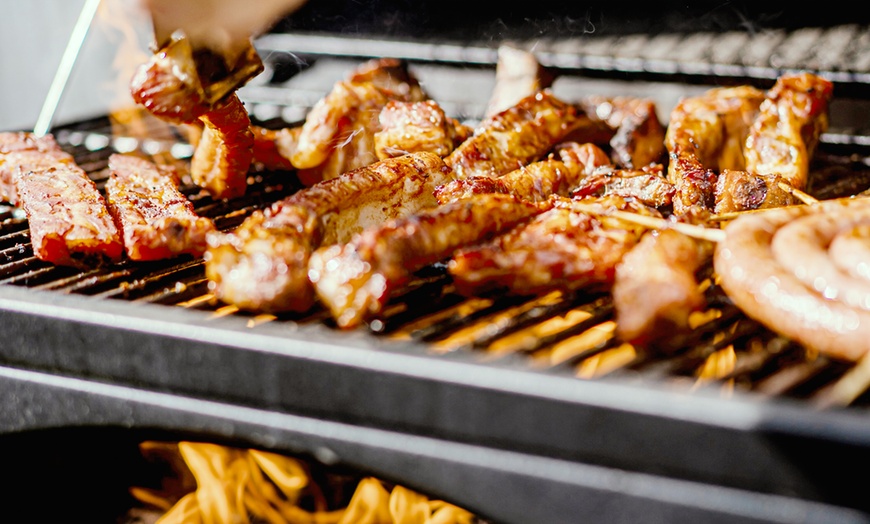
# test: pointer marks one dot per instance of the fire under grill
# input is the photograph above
(524, 409)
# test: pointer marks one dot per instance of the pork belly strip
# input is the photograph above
(355, 279)
(565, 247)
(655, 289)
(707, 134)
(519, 135)
(156, 220)
(557, 175)
(263, 264)
(647, 185)
(70, 224)
(22, 151)
(763, 289)
(790, 122)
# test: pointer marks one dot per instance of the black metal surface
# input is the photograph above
(143, 347)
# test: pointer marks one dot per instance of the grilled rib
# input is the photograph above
(564, 248)
(263, 265)
(21, 151)
(157, 221)
(70, 224)
(355, 279)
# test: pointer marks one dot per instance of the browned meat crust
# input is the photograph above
(22, 151)
(524, 133)
(638, 135)
(355, 280)
(273, 148)
(648, 186)
(70, 224)
(156, 220)
(565, 248)
(224, 152)
(263, 265)
(409, 127)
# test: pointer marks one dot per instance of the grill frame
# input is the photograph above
(447, 424)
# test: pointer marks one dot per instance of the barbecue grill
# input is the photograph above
(518, 409)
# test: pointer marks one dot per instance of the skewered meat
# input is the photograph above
(224, 153)
(518, 74)
(339, 130)
(20, 151)
(566, 247)
(70, 224)
(638, 136)
(535, 181)
(157, 221)
(792, 118)
(511, 139)
(850, 250)
(655, 287)
(743, 191)
(648, 185)
(706, 134)
(263, 264)
(356, 279)
(409, 127)
(759, 285)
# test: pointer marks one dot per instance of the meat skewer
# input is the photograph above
(70, 224)
(263, 264)
(157, 221)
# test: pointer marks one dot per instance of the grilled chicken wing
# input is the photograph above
(523, 133)
(157, 221)
(565, 247)
(354, 280)
(784, 136)
(706, 134)
(70, 224)
(263, 264)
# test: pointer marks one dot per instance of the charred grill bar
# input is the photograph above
(519, 409)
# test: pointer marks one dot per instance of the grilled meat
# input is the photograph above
(70, 224)
(743, 191)
(655, 288)
(409, 127)
(518, 74)
(156, 220)
(792, 118)
(565, 248)
(523, 133)
(224, 152)
(535, 181)
(263, 264)
(356, 279)
(649, 185)
(754, 278)
(273, 148)
(707, 134)
(637, 135)
(21, 151)
(338, 133)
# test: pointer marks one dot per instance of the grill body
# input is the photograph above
(517, 439)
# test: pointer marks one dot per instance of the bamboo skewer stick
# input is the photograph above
(692, 230)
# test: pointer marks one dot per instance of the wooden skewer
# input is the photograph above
(797, 193)
(700, 232)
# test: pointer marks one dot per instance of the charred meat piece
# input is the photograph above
(648, 186)
(521, 134)
(263, 264)
(157, 221)
(707, 134)
(70, 224)
(355, 280)
(535, 181)
(792, 118)
(338, 132)
(409, 127)
(566, 247)
(638, 135)
(655, 289)
(224, 152)
(743, 191)
(21, 151)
